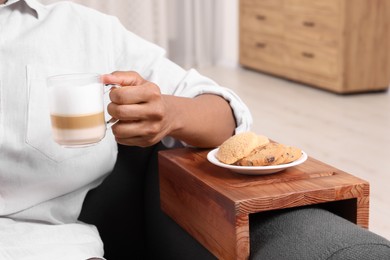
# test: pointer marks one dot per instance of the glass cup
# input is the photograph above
(76, 104)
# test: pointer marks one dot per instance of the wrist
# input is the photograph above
(174, 115)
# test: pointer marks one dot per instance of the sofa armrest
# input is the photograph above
(312, 233)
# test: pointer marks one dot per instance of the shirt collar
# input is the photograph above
(32, 4)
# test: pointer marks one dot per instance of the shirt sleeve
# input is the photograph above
(131, 52)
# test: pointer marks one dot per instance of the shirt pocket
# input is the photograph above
(39, 135)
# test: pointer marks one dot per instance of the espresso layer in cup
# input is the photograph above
(77, 121)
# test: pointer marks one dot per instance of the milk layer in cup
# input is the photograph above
(77, 114)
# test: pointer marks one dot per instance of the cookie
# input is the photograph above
(263, 156)
(239, 146)
(291, 154)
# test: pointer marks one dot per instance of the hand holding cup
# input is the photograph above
(140, 108)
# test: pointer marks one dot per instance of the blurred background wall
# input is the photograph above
(195, 33)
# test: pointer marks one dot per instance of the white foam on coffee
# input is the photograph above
(76, 100)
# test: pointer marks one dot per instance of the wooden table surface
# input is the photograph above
(213, 204)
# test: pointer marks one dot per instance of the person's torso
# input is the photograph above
(33, 168)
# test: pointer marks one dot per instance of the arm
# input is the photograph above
(184, 103)
(204, 121)
(146, 116)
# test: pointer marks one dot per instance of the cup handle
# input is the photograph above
(108, 88)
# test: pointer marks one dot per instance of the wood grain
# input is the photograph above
(213, 204)
(338, 45)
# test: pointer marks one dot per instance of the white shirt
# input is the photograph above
(39, 180)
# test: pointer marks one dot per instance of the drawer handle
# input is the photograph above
(261, 45)
(261, 17)
(308, 55)
(309, 24)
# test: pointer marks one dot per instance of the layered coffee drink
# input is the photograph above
(70, 130)
(77, 109)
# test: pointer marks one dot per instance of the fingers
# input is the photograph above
(137, 133)
(136, 103)
(123, 78)
(145, 92)
(134, 89)
(136, 112)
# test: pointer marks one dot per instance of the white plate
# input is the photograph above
(254, 170)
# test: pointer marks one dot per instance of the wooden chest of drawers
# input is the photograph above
(339, 45)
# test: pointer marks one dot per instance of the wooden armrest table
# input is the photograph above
(213, 204)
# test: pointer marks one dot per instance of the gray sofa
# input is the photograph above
(126, 211)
